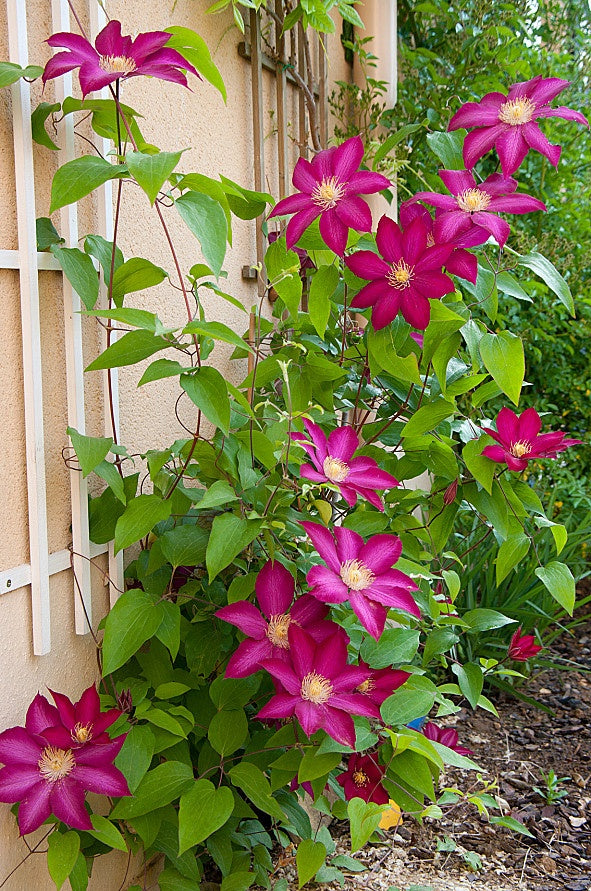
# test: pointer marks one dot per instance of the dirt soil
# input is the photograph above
(515, 749)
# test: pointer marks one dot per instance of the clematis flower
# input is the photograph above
(519, 441)
(52, 779)
(77, 724)
(362, 779)
(460, 262)
(446, 736)
(509, 122)
(381, 683)
(115, 57)
(406, 275)
(329, 187)
(360, 573)
(523, 646)
(333, 462)
(267, 628)
(319, 687)
(475, 205)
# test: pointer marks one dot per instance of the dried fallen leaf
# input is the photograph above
(577, 822)
(392, 817)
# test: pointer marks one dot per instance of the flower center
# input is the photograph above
(328, 193)
(473, 200)
(360, 778)
(356, 575)
(277, 630)
(400, 275)
(55, 764)
(520, 448)
(316, 688)
(517, 111)
(335, 470)
(117, 64)
(430, 239)
(82, 733)
(366, 686)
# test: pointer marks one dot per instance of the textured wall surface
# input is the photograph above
(219, 140)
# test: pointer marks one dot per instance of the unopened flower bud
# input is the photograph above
(125, 701)
(449, 496)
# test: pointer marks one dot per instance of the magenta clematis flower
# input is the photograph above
(267, 628)
(460, 262)
(115, 57)
(319, 687)
(78, 724)
(446, 736)
(523, 646)
(406, 275)
(519, 441)
(333, 462)
(360, 573)
(475, 205)
(362, 779)
(47, 778)
(509, 122)
(381, 683)
(329, 187)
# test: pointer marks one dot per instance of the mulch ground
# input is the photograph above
(464, 851)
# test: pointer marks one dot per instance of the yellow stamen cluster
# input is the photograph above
(328, 193)
(55, 764)
(117, 64)
(366, 686)
(473, 200)
(277, 628)
(316, 688)
(356, 575)
(335, 470)
(400, 275)
(360, 778)
(520, 448)
(517, 111)
(82, 733)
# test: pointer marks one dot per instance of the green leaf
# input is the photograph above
(314, 765)
(195, 50)
(109, 473)
(237, 881)
(102, 250)
(559, 532)
(470, 680)
(128, 350)
(38, 118)
(559, 581)
(220, 492)
(227, 731)
(511, 552)
(396, 646)
(485, 619)
(131, 622)
(322, 287)
(46, 234)
(255, 786)
(448, 148)
(80, 272)
(159, 369)
(90, 450)
(364, 818)
(185, 545)
(283, 270)
(245, 204)
(310, 856)
(158, 788)
(382, 353)
(392, 140)
(550, 276)
(207, 221)
(438, 641)
(62, 853)
(203, 810)
(511, 823)
(10, 73)
(217, 331)
(77, 178)
(135, 757)
(502, 355)
(152, 171)
(406, 705)
(207, 389)
(171, 879)
(79, 875)
(107, 833)
(481, 467)
(428, 417)
(139, 518)
(135, 275)
(508, 284)
(229, 536)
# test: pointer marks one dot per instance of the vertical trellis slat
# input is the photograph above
(281, 85)
(322, 91)
(302, 124)
(31, 331)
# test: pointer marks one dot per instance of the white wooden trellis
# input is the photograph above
(42, 565)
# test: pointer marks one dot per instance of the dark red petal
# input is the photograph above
(528, 425)
(376, 291)
(40, 715)
(415, 309)
(367, 265)
(463, 264)
(507, 425)
(414, 241)
(433, 284)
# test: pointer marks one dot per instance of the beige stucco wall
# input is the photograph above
(219, 139)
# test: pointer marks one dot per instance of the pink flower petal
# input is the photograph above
(354, 213)
(333, 232)
(366, 264)
(457, 181)
(496, 185)
(110, 42)
(248, 656)
(395, 598)
(366, 182)
(310, 715)
(524, 87)
(435, 199)
(88, 706)
(517, 203)
(104, 779)
(363, 474)
(40, 715)
(67, 803)
(339, 726)
(495, 453)
(371, 614)
(414, 241)
(512, 149)
(435, 257)
(349, 543)
(355, 704)
(568, 114)
(298, 224)
(537, 141)
(408, 212)
(476, 114)
(34, 808)
(331, 658)
(322, 164)
(66, 709)
(389, 240)
(324, 543)
(372, 293)
(93, 78)
(480, 142)
(342, 443)
(79, 47)
(499, 229)
(150, 42)
(347, 158)
(381, 552)
(507, 425)
(292, 204)
(433, 284)
(463, 264)
(302, 648)
(16, 780)
(318, 438)
(373, 498)
(528, 425)
(326, 585)
(415, 309)
(547, 89)
(309, 613)
(246, 616)
(101, 754)
(282, 705)
(303, 177)
(60, 64)
(274, 588)
(453, 225)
